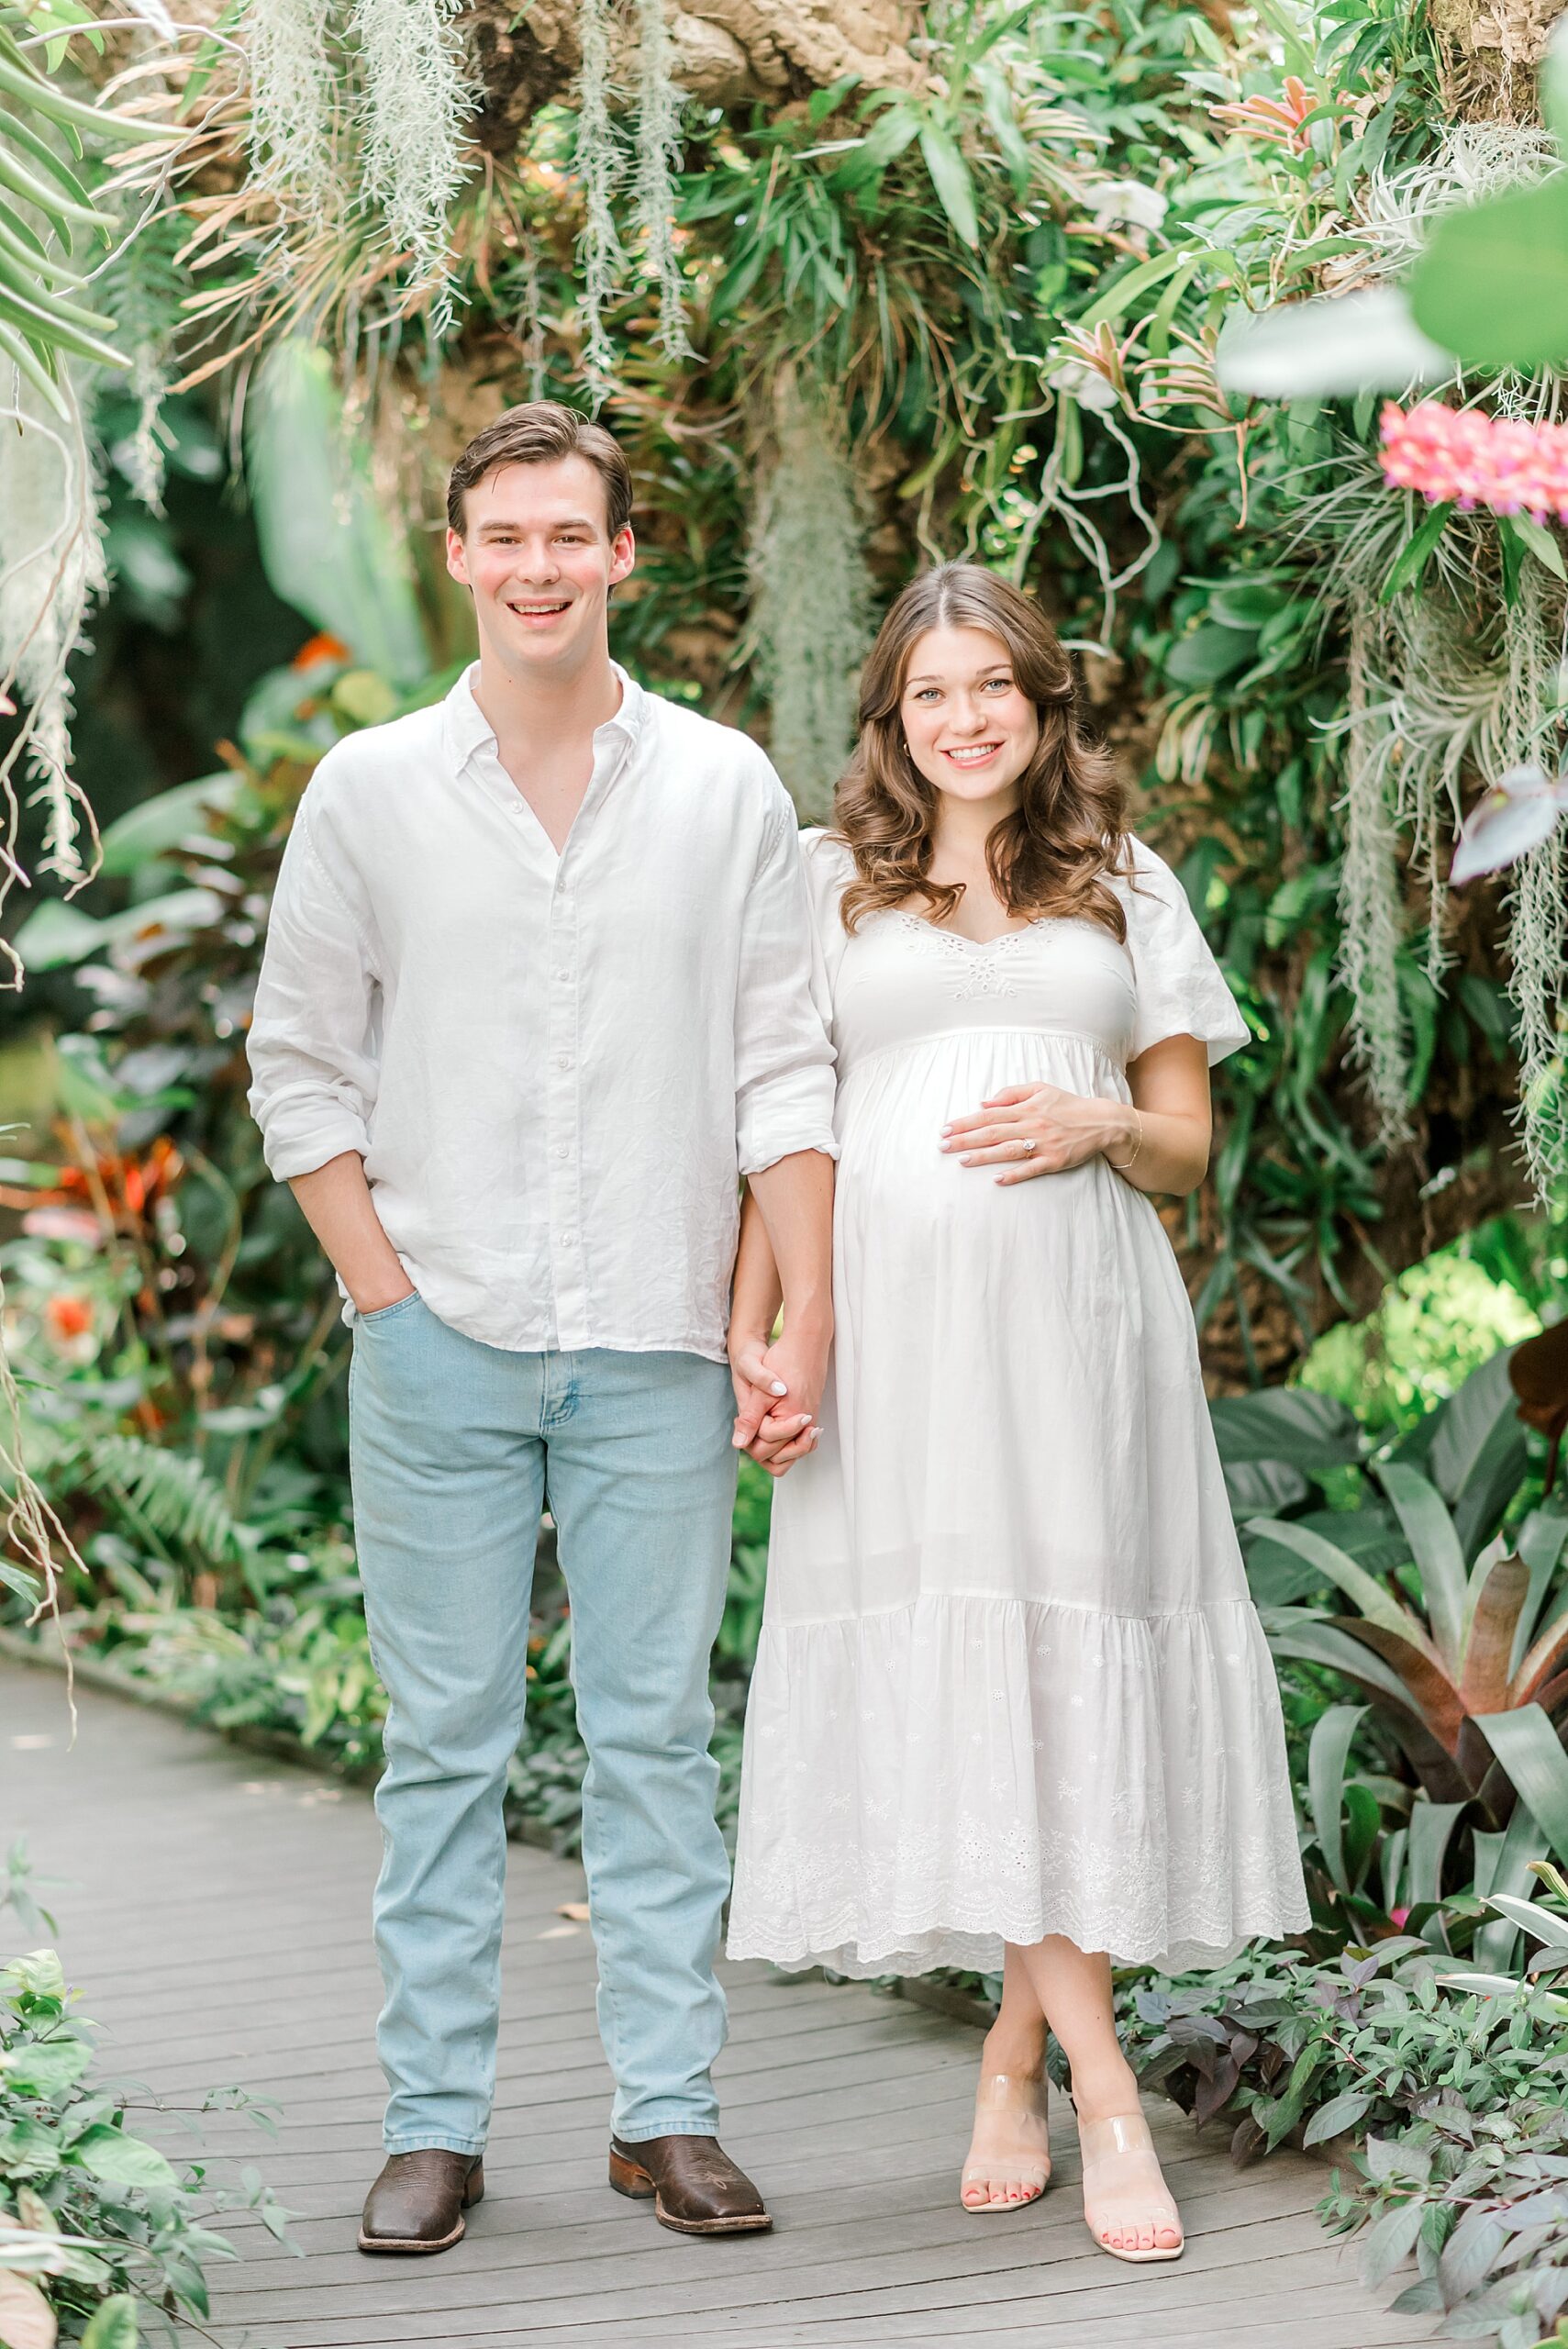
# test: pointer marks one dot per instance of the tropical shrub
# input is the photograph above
(1454, 1625)
(102, 2240)
(1454, 2086)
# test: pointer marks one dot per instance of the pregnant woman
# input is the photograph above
(1012, 1703)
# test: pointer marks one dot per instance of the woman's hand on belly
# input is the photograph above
(1039, 1129)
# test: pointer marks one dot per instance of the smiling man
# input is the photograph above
(535, 997)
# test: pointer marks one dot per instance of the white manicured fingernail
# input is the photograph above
(779, 1387)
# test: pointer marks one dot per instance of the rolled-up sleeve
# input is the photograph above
(312, 1038)
(784, 1061)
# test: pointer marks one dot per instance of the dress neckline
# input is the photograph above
(974, 945)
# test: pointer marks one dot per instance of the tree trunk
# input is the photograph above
(728, 52)
(1491, 50)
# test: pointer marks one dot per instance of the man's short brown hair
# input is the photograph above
(541, 432)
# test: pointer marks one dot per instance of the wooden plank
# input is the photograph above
(220, 1928)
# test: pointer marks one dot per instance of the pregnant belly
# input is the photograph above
(893, 1109)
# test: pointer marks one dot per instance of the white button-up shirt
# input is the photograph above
(555, 1067)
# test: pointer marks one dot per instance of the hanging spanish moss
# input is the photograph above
(292, 152)
(811, 606)
(1449, 683)
(1537, 936)
(51, 571)
(598, 167)
(658, 162)
(1371, 912)
(417, 99)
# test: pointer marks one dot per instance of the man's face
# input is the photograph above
(536, 550)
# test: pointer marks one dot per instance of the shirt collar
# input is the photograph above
(467, 728)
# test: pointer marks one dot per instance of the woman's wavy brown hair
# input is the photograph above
(1069, 830)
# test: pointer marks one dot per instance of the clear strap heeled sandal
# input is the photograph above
(1011, 2111)
(1124, 2190)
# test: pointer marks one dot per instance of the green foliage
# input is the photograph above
(1439, 1320)
(97, 2227)
(1456, 2097)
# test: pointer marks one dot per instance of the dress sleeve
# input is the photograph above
(828, 866)
(1180, 991)
(784, 1061)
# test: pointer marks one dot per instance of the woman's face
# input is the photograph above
(971, 732)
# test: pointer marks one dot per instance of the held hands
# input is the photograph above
(777, 1390)
(1039, 1129)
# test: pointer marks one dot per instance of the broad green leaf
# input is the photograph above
(1541, 542)
(112, 2325)
(1117, 299)
(157, 824)
(1431, 1825)
(59, 934)
(1279, 1576)
(1333, 1565)
(1492, 284)
(119, 2160)
(1552, 88)
(328, 545)
(1258, 1487)
(1209, 654)
(1289, 1423)
(1434, 1545)
(1407, 566)
(1391, 2240)
(1529, 1750)
(1477, 1453)
(1539, 1543)
(45, 2066)
(1294, 1631)
(950, 178)
(1326, 1783)
(28, 2149)
(39, 1973)
(1544, 1923)
(1340, 2112)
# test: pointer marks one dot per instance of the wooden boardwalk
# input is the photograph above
(216, 1922)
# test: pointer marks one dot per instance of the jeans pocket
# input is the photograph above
(386, 1312)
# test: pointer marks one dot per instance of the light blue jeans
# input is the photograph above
(455, 1446)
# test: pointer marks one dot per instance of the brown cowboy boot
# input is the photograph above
(694, 2186)
(417, 2204)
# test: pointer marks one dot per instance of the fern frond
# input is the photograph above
(171, 1492)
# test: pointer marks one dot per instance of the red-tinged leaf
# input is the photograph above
(26, 2320)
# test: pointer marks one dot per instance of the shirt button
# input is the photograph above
(563, 1060)
(563, 1150)
(569, 1240)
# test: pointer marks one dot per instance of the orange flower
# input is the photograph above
(317, 649)
(130, 1186)
(68, 1316)
(1279, 120)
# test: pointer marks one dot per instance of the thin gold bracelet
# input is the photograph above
(1120, 1166)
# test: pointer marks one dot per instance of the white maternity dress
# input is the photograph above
(1010, 1681)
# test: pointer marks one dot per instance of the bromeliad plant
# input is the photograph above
(1457, 1635)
